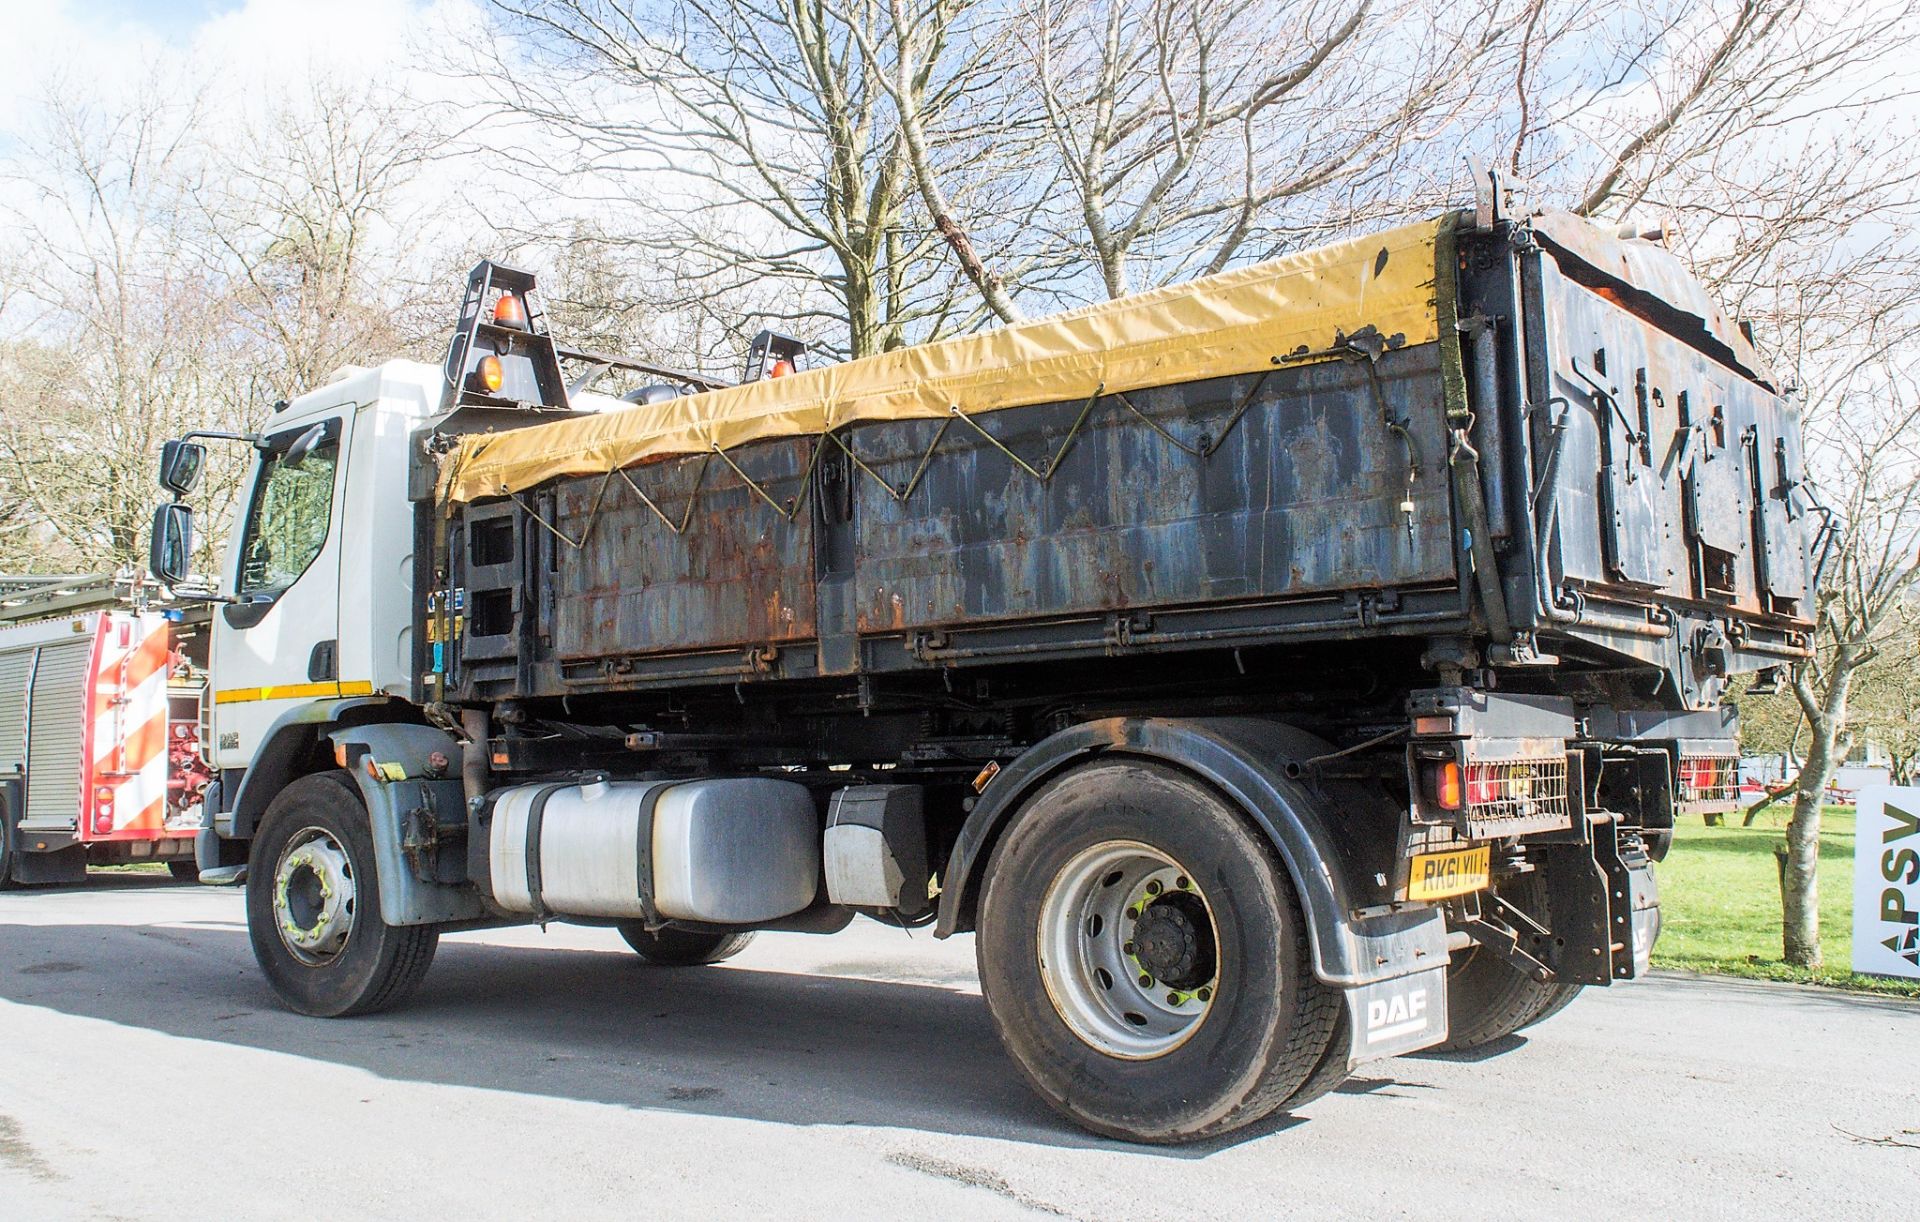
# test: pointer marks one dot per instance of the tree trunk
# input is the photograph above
(1800, 885)
(863, 309)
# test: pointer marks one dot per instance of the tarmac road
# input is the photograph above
(145, 1072)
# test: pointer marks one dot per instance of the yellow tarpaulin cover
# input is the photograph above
(1231, 323)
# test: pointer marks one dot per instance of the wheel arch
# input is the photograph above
(1264, 769)
(294, 746)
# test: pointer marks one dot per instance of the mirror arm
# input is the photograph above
(212, 596)
(257, 440)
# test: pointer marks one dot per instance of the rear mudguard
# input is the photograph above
(1358, 936)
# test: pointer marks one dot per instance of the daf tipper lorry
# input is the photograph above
(1295, 667)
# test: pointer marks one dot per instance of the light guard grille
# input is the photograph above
(1515, 797)
(1708, 782)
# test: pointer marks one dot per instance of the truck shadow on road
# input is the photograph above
(598, 1027)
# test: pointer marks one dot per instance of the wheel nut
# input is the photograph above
(1173, 999)
(1182, 882)
(1204, 994)
(1153, 888)
(1146, 981)
(1128, 948)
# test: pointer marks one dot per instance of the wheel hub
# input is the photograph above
(1128, 950)
(1173, 941)
(314, 897)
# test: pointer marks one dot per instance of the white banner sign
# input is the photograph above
(1886, 882)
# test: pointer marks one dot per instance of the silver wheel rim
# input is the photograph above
(313, 897)
(1129, 950)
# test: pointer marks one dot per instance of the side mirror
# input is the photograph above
(170, 555)
(180, 465)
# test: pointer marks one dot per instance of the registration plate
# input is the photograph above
(1435, 876)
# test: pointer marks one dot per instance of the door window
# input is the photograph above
(291, 509)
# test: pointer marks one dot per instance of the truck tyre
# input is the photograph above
(1144, 957)
(671, 947)
(313, 906)
(1559, 999)
(1332, 1070)
(6, 846)
(1487, 997)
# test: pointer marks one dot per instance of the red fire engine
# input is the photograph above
(100, 760)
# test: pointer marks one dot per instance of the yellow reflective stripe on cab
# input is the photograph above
(292, 691)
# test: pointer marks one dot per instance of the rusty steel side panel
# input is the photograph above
(1643, 267)
(1303, 495)
(739, 574)
(1675, 476)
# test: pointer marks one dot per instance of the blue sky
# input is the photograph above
(174, 20)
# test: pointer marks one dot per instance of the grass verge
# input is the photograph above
(1720, 903)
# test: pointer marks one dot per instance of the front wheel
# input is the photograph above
(1145, 960)
(313, 906)
(671, 947)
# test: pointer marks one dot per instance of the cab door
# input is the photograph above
(277, 646)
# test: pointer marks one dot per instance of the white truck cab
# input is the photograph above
(316, 588)
(320, 568)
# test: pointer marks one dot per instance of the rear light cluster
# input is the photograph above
(1495, 790)
(102, 809)
(1709, 778)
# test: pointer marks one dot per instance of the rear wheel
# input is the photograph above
(1562, 997)
(671, 947)
(1332, 1070)
(1145, 959)
(313, 906)
(1488, 998)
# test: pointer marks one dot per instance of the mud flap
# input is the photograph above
(1389, 1017)
(1632, 901)
(1604, 904)
(418, 821)
(1644, 912)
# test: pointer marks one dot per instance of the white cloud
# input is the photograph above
(259, 44)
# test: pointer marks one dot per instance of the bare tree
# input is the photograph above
(1192, 135)
(1714, 76)
(1873, 424)
(35, 381)
(126, 321)
(602, 294)
(760, 141)
(305, 230)
(157, 297)
(1885, 705)
(1758, 129)
(920, 34)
